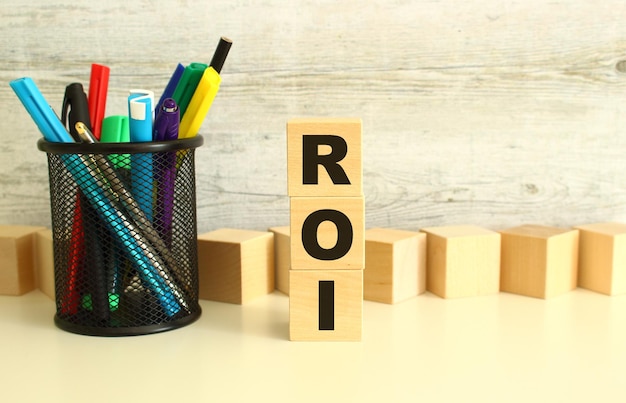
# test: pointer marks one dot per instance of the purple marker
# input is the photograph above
(167, 121)
(165, 129)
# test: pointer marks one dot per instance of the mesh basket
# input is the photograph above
(124, 236)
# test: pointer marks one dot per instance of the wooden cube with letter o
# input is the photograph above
(327, 233)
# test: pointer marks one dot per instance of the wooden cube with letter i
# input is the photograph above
(327, 220)
(325, 305)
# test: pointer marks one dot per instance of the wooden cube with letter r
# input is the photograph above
(325, 305)
(324, 157)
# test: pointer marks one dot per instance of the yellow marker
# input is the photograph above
(200, 104)
(205, 92)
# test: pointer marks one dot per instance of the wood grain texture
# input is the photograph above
(491, 113)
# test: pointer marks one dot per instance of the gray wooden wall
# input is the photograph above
(490, 112)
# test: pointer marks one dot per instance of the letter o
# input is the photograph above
(344, 234)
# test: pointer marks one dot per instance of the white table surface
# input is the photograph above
(499, 348)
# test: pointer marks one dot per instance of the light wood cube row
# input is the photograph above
(327, 229)
(456, 261)
(395, 262)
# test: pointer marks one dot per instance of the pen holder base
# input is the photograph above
(124, 236)
(118, 331)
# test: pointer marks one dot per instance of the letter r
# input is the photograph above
(311, 158)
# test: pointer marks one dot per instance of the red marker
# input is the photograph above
(98, 88)
(71, 296)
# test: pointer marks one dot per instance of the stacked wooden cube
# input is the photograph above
(326, 229)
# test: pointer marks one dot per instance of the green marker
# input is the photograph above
(114, 302)
(187, 85)
(115, 129)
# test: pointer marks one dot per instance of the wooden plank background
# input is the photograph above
(490, 112)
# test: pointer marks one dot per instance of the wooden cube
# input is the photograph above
(539, 261)
(462, 261)
(395, 265)
(327, 233)
(44, 262)
(324, 157)
(17, 272)
(282, 257)
(325, 305)
(235, 265)
(602, 258)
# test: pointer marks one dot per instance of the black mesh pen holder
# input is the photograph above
(124, 236)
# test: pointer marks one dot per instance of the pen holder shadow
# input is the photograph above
(124, 236)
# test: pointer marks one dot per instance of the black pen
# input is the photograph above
(75, 109)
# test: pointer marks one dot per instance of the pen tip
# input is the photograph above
(84, 133)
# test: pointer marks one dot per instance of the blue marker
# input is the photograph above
(46, 120)
(171, 85)
(141, 114)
